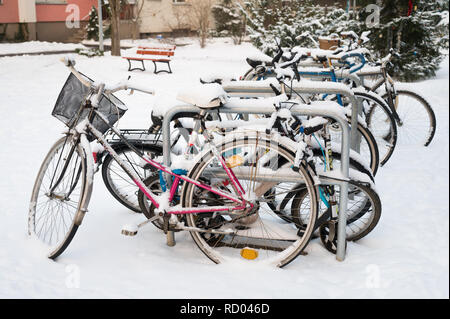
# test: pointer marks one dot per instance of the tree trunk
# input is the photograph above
(115, 27)
(115, 36)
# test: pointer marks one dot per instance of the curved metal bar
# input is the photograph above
(243, 89)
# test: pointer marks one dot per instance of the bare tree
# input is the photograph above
(181, 15)
(114, 7)
(137, 9)
(201, 17)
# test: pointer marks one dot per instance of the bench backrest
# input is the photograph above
(165, 51)
(155, 52)
(165, 47)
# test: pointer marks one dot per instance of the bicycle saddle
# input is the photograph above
(205, 96)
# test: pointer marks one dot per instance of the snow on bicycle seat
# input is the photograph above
(258, 58)
(205, 96)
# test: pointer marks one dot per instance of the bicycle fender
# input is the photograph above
(87, 192)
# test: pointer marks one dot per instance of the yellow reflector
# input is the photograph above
(234, 160)
(249, 253)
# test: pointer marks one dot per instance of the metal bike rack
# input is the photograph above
(335, 112)
(339, 74)
(242, 89)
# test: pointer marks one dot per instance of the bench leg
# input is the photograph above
(132, 69)
(159, 71)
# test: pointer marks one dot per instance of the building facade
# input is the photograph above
(166, 17)
(174, 17)
(65, 20)
(45, 20)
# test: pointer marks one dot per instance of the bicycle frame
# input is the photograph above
(330, 73)
(240, 201)
(389, 86)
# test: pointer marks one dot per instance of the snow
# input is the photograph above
(202, 95)
(37, 46)
(406, 256)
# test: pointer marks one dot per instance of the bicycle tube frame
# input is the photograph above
(61, 175)
(138, 181)
(391, 95)
(72, 150)
(331, 74)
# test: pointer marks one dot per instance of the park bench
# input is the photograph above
(154, 54)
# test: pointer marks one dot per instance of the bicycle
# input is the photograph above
(229, 223)
(382, 126)
(366, 205)
(124, 190)
(412, 112)
(120, 185)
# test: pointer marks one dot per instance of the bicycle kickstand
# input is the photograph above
(170, 234)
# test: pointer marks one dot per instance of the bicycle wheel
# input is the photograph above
(282, 201)
(250, 75)
(355, 164)
(368, 149)
(363, 209)
(380, 123)
(418, 121)
(118, 183)
(57, 197)
(146, 206)
(260, 232)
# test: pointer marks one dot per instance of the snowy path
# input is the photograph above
(405, 256)
(33, 47)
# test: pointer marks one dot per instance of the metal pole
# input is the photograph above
(100, 26)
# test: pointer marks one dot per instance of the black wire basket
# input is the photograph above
(74, 94)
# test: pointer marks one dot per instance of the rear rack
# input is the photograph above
(144, 136)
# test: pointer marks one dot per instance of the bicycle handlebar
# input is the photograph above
(387, 59)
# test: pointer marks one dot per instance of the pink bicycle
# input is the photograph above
(222, 200)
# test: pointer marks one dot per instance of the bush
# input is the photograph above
(419, 37)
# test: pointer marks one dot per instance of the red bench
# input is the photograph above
(154, 54)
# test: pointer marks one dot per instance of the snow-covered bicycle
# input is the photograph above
(226, 216)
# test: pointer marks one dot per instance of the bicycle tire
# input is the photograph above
(374, 156)
(56, 151)
(371, 155)
(278, 207)
(353, 162)
(365, 217)
(288, 254)
(386, 137)
(113, 177)
(424, 103)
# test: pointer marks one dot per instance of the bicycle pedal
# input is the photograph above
(129, 233)
(130, 230)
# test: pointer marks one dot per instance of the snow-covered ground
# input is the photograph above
(36, 46)
(406, 256)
